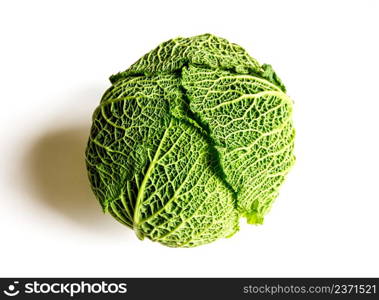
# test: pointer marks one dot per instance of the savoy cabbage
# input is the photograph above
(190, 138)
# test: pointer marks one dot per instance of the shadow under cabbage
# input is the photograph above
(59, 178)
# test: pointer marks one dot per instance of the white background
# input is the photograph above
(56, 57)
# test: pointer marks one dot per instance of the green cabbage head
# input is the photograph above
(192, 137)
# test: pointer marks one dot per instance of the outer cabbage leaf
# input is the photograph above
(249, 121)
